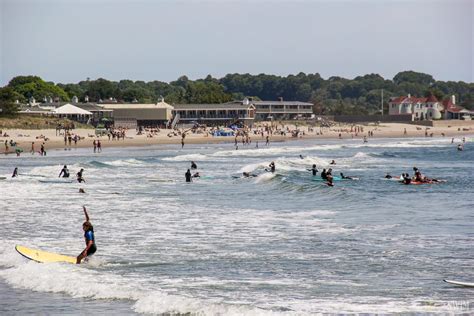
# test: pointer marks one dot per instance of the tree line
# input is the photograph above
(335, 95)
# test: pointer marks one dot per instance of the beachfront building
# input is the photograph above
(215, 114)
(72, 113)
(133, 115)
(429, 108)
(281, 110)
(452, 111)
(99, 113)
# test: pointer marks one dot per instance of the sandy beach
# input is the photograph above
(53, 139)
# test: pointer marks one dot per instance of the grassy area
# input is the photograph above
(32, 122)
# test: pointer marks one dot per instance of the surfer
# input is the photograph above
(79, 176)
(64, 172)
(324, 174)
(188, 176)
(313, 169)
(15, 172)
(388, 176)
(345, 177)
(272, 166)
(333, 162)
(330, 180)
(301, 157)
(406, 178)
(196, 175)
(89, 238)
(248, 174)
(193, 165)
(460, 147)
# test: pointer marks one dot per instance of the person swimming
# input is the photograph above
(91, 248)
(460, 147)
(388, 176)
(64, 172)
(15, 173)
(188, 176)
(79, 176)
(313, 169)
(333, 162)
(301, 157)
(193, 165)
(196, 175)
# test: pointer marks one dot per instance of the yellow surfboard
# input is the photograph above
(43, 256)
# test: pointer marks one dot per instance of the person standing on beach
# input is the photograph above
(42, 150)
(91, 248)
(32, 148)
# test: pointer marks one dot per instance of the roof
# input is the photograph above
(91, 107)
(70, 109)
(219, 106)
(280, 103)
(406, 99)
(431, 98)
(159, 105)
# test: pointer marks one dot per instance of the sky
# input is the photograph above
(71, 40)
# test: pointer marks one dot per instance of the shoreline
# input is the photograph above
(24, 138)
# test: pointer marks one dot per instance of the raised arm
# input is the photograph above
(85, 213)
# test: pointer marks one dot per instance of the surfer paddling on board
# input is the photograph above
(89, 238)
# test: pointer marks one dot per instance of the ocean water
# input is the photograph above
(275, 244)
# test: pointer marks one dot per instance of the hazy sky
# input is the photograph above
(70, 40)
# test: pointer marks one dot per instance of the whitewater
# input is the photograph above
(274, 244)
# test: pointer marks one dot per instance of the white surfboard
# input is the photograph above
(467, 284)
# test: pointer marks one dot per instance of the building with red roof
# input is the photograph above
(427, 108)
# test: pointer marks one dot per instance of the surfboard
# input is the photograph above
(56, 181)
(43, 256)
(467, 284)
(336, 178)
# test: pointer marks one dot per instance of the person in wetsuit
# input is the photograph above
(332, 162)
(388, 176)
(272, 166)
(406, 178)
(15, 172)
(64, 172)
(193, 165)
(345, 177)
(79, 176)
(248, 174)
(196, 175)
(188, 176)
(314, 170)
(324, 174)
(89, 238)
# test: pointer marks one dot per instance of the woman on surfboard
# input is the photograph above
(89, 238)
